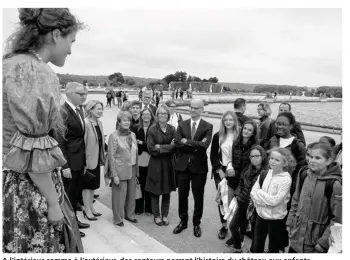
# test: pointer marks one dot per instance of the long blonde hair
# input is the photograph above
(223, 129)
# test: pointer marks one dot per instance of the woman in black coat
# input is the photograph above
(247, 137)
(146, 121)
(161, 179)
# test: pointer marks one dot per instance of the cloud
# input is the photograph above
(284, 46)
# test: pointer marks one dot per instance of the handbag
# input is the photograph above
(138, 190)
(88, 176)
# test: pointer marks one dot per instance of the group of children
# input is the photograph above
(291, 194)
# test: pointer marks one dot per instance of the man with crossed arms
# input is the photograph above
(192, 138)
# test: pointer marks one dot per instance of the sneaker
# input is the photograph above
(229, 242)
(222, 233)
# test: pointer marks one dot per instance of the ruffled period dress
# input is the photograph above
(31, 103)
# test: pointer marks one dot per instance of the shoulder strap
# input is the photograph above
(302, 176)
(329, 188)
(262, 177)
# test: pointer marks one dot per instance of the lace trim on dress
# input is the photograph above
(34, 155)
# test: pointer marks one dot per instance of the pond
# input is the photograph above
(320, 113)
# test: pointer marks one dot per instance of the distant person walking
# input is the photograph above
(181, 94)
(119, 98)
(140, 95)
(113, 96)
(109, 99)
(157, 99)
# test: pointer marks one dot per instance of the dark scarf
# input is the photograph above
(125, 132)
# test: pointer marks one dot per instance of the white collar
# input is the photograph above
(197, 121)
(71, 105)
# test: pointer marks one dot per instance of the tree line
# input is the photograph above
(117, 79)
(182, 77)
(295, 90)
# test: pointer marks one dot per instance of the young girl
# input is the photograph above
(247, 137)
(327, 140)
(238, 224)
(316, 203)
(270, 195)
(284, 139)
(220, 155)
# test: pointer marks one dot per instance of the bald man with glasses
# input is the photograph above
(193, 137)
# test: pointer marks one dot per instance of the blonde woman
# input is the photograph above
(221, 152)
(123, 169)
(95, 156)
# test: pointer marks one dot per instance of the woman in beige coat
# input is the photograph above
(123, 169)
(95, 156)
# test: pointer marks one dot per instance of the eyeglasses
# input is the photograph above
(254, 156)
(162, 114)
(81, 94)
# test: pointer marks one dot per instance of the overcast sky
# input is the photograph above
(273, 46)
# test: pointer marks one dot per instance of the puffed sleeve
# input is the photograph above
(32, 100)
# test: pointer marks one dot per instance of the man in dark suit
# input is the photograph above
(239, 107)
(73, 145)
(296, 127)
(192, 138)
(146, 101)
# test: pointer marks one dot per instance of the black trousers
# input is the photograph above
(238, 225)
(217, 180)
(143, 204)
(197, 182)
(272, 228)
(73, 187)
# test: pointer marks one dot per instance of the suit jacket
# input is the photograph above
(194, 152)
(152, 107)
(73, 144)
(92, 146)
(119, 157)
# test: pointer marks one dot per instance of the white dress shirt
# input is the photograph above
(174, 120)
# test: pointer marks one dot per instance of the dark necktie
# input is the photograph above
(193, 130)
(80, 115)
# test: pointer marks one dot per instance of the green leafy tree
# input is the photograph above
(116, 79)
(181, 76)
(130, 81)
(189, 79)
(213, 79)
(169, 78)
